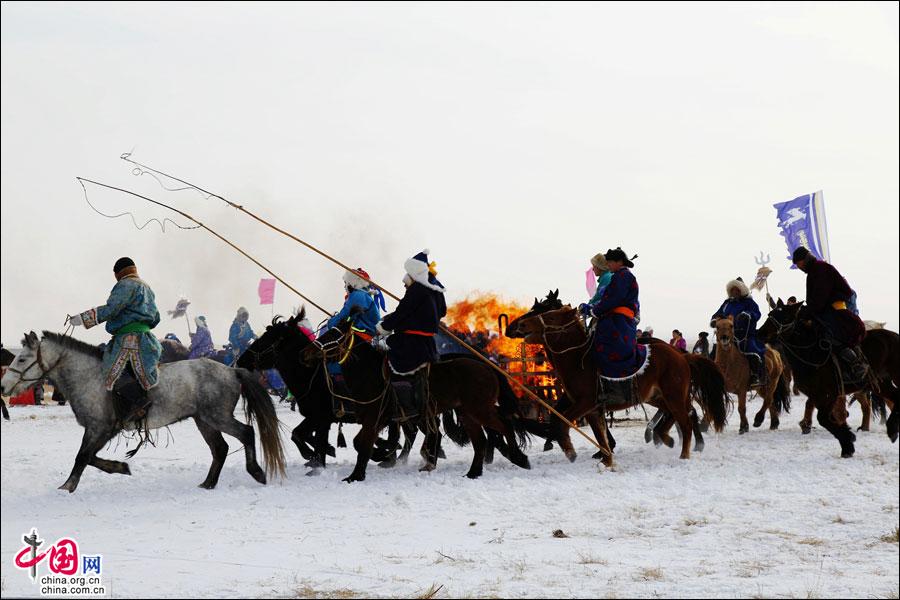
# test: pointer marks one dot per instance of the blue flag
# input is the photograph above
(802, 223)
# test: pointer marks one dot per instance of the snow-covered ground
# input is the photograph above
(770, 513)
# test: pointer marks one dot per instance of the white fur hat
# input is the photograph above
(740, 285)
(421, 271)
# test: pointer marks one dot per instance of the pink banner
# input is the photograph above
(590, 282)
(266, 291)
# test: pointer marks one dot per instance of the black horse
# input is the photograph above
(463, 384)
(818, 373)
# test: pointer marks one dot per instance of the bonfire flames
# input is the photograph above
(477, 321)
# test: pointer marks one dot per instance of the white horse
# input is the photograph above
(203, 389)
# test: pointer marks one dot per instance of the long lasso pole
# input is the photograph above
(82, 181)
(531, 395)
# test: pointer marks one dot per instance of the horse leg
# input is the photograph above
(742, 409)
(605, 450)
(320, 447)
(363, 442)
(91, 443)
(893, 424)
(806, 423)
(489, 448)
(767, 405)
(476, 434)
(865, 404)
(245, 435)
(699, 444)
(409, 438)
(114, 467)
(300, 435)
(593, 420)
(388, 458)
(219, 448)
(661, 431)
(561, 428)
(835, 421)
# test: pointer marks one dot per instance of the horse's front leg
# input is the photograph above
(806, 423)
(364, 442)
(91, 443)
(561, 427)
(742, 409)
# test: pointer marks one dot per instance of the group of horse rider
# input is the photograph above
(130, 360)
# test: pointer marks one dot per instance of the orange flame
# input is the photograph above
(476, 319)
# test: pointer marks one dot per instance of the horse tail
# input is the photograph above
(509, 412)
(781, 399)
(454, 430)
(260, 407)
(708, 389)
(879, 408)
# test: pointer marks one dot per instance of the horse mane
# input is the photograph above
(71, 343)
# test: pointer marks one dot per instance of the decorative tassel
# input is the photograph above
(342, 443)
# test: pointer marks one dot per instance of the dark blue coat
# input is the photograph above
(421, 310)
(615, 349)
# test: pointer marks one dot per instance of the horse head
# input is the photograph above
(551, 302)
(264, 350)
(534, 327)
(781, 317)
(25, 370)
(725, 331)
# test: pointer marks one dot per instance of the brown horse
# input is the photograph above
(464, 384)
(736, 368)
(665, 383)
(707, 388)
(819, 376)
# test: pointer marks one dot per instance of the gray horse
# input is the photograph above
(203, 389)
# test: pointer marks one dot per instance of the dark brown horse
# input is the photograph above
(818, 375)
(665, 383)
(464, 384)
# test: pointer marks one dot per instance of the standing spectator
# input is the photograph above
(702, 345)
(678, 341)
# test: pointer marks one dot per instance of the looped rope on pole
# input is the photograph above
(531, 395)
(200, 225)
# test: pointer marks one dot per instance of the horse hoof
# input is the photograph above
(472, 475)
(669, 442)
(847, 453)
(774, 425)
(126, 470)
(758, 420)
(206, 486)
(571, 455)
(893, 436)
(598, 455)
(699, 446)
(427, 467)
(744, 429)
(314, 472)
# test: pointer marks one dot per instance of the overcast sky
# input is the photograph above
(513, 140)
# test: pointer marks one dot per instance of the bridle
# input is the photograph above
(556, 329)
(37, 361)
